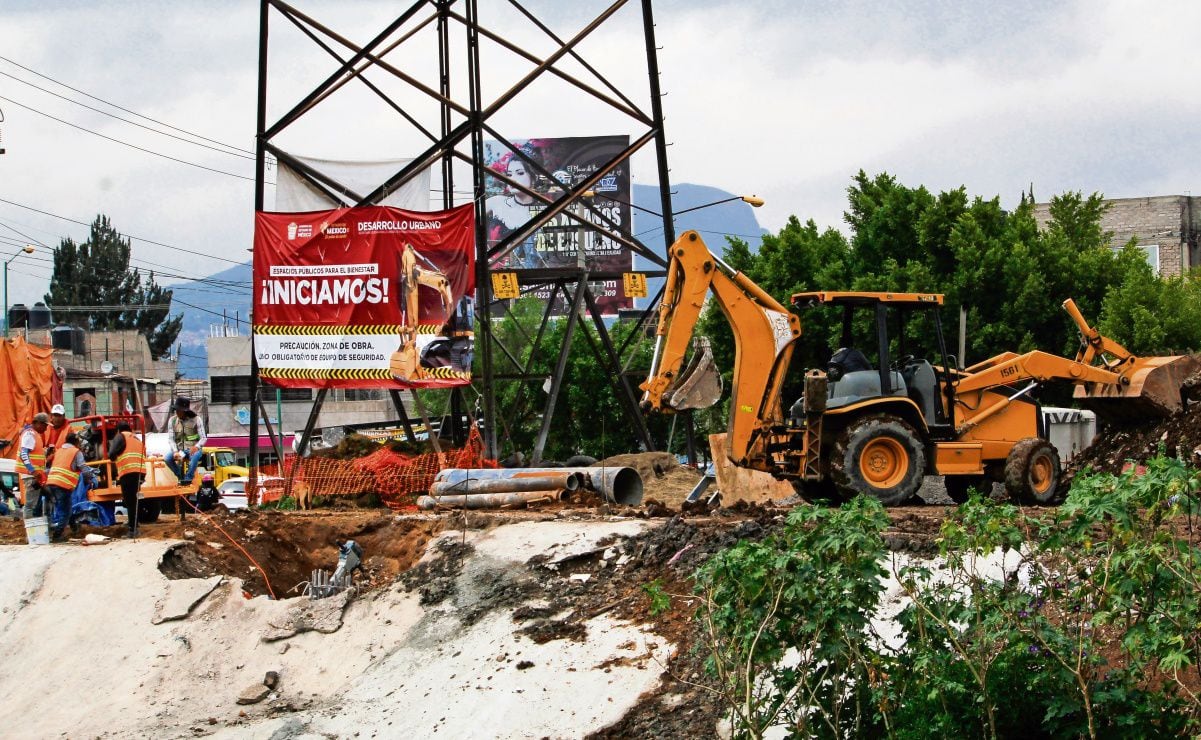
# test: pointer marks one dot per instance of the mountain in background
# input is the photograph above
(224, 298)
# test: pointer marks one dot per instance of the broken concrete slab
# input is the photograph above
(181, 597)
(321, 615)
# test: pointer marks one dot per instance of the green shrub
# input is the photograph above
(1090, 629)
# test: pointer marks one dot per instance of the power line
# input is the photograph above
(127, 236)
(135, 307)
(114, 105)
(124, 143)
(126, 120)
(228, 287)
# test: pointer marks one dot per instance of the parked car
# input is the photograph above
(233, 491)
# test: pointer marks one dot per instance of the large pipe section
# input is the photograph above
(488, 500)
(564, 481)
(619, 485)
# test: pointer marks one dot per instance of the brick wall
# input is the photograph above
(1169, 222)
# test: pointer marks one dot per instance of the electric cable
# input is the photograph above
(127, 236)
(114, 105)
(126, 120)
(125, 143)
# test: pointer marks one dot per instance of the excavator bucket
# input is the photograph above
(1154, 390)
(698, 385)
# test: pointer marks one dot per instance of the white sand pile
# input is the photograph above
(96, 642)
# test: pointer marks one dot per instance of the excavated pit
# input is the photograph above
(290, 545)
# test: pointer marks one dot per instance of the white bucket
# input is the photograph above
(37, 530)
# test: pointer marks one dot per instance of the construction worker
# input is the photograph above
(187, 441)
(66, 467)
(129, 453)
(56, 434)
(33, 457)
(207, 497)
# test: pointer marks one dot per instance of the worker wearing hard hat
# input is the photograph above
(57, 432)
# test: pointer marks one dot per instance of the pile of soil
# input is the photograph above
(1135, 442)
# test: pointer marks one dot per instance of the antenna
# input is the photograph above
(107, 367)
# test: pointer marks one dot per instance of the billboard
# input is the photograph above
(365, 297)
(562, 242)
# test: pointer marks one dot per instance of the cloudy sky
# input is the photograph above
(782, 99)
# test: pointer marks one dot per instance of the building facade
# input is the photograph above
(106, 372)
(287, 408)
(1166, 227)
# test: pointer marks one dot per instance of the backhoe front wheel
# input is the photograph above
(880, 456)
(1032, 472)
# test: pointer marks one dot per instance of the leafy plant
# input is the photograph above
(787, 622)
(1078, 622)
(660, 600)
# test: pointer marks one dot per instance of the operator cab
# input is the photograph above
(885, 350)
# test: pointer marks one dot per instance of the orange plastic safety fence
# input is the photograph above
(396, 478)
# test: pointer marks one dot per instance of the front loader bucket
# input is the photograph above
(1154, 390)
(699, 383)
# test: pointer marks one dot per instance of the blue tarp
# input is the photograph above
(89, 512)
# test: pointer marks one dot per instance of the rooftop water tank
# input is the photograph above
(18, 315)
(39, 316)
(61, 335)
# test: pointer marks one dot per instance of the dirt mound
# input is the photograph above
(649, 465)
(1114, 446)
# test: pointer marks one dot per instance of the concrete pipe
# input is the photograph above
(619, 485)
(470, 485)
(488, 500)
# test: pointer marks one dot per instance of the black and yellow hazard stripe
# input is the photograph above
(445, 373)
(288, 373)
(311, 330)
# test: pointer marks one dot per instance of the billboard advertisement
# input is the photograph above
(562, 242)
(365, 297)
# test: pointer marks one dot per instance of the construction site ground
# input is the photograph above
(521, 623)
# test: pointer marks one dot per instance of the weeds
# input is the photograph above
(1079, 623)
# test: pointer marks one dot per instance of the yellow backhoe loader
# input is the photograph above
(887, 410)
(454, 350)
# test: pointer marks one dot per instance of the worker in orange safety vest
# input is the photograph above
(130, 455)
(66, 468)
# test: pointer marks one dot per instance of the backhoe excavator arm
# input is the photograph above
(764, 335)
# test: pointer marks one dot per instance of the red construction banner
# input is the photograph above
(368, 297)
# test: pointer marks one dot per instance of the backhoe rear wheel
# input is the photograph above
(1032, 472)
(880, 456)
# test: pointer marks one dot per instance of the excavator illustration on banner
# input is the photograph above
(449, 355)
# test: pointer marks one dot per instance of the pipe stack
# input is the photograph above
(619, 485)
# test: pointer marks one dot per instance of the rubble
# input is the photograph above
(1134, 442)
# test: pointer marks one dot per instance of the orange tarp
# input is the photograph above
(28, 384)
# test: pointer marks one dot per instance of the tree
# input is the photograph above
(94, 279)
(1007, 271)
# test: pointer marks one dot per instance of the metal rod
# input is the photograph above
(556, 380)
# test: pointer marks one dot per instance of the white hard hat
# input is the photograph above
(58, 408)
